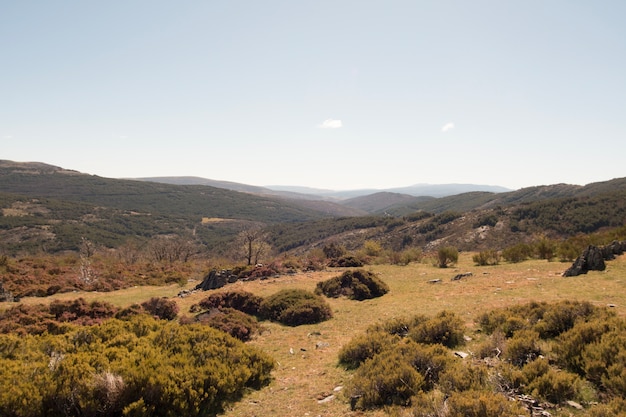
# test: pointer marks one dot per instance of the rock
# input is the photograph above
(575, 405)
(434, 281)
(461, 355)
(459, 276)
(216, 279)
(326, 400)
(591, 259)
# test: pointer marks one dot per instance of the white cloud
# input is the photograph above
(331, 124)
(447, 127)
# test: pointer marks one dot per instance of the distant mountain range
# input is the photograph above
(417, 190)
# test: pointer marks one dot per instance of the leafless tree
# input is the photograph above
(253, 242)
(171, 249)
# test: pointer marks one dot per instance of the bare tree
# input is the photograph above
(254, 244)
(171, 249)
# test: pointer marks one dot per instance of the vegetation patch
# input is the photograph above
(356, 285)
(538, 354)
(136, 367)
(295, 307)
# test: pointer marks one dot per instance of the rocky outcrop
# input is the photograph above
(216, 279)
(592, 259)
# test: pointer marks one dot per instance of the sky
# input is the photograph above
(326, 94)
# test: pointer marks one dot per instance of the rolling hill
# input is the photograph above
(49, 207)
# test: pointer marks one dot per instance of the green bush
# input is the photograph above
(517, 253)
(461, 376)
(482, 404)
(522, 348)
(445, 328)
(113, 369)
(446, 256)
(295, 307)
(364, 347)
(487, 257)
(385, 379)
(356, 285)
(429, 360)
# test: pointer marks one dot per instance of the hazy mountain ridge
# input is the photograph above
(44, 205)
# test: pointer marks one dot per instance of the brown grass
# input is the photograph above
(311, 372)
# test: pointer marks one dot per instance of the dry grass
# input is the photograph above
(311, 373)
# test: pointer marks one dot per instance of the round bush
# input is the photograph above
(295, 307)
(239, 300)
(386, 379)
(445, 328)
(356, 285)
(231, 321)
(364, 347)
(161, 307)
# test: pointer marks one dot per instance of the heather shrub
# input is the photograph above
(571, 344)
(460, 376)
(347, 261)
(243, 301)
(385, 379)
(364, 347)
(295, 307)
(487, 257)
(356, 285)
(482, 404)
(234, 322)
(562, 316)
(446, 256)
(161, 307)
(429, 360)
(555, 386)
(522, 348)
(517, 253)
(110, 370)
(445, 328)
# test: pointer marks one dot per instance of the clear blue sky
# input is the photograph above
(328, 94)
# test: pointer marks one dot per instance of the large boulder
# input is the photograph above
(592, 259)
(216, 279)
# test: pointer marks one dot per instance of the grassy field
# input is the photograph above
(306, 356)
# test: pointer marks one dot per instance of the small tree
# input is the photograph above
(447, 255)
(253, 242)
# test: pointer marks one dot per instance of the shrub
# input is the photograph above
(482, 404)
(487, 257)
(517, 253)
(447, 255)
(161, 307)
(334, 251)
(522, 348)
(346, 262)
(560, 317)
(243, 301)
(231, 321)
(429, 360)
(364, 347)
(464, 377)
(385, 379)
(295, 307)
(356, 285)
(557, 386)
(445, 328)
(107, 369)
